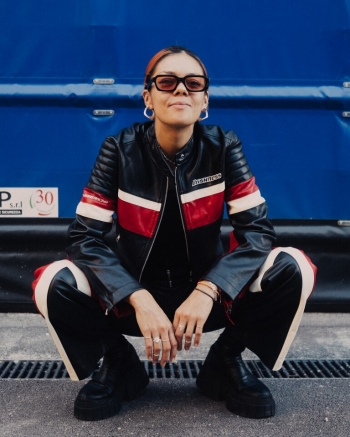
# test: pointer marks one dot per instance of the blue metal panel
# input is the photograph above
(277, 71)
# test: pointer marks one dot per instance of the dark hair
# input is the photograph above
(166, 52)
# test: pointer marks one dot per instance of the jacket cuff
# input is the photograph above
(222, 283)
(118, 296)
(123, 309)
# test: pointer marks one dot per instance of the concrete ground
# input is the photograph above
(169, 407)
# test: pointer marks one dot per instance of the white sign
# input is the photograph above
(28, 202)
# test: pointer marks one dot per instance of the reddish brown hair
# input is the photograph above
(166, 52)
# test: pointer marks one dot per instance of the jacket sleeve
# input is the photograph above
(85, 244)
(252, 236)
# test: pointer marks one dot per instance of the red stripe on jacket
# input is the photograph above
(240, 190)
(137, 219)
(96, 199)
(203, 211)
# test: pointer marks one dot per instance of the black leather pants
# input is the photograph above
(264, 317)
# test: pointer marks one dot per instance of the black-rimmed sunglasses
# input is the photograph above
(169, 82)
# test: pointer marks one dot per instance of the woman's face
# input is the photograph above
(178, 108)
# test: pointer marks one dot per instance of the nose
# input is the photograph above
(180, 88)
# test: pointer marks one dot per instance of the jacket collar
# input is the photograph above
(180, 157)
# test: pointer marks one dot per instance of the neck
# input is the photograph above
(171, 139)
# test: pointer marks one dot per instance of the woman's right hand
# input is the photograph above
(155, 326)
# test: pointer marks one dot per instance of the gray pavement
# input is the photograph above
(305, 407)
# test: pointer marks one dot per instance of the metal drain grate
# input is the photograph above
(185, 369)
(33, 370)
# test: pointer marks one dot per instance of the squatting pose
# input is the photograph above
(165, 184)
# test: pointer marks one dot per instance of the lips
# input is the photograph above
(179, 104)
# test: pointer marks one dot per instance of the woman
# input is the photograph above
(168, 280)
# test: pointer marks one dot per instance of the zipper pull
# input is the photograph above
(170, 282)
(106, 313)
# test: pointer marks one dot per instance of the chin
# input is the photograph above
(182, 125)
(183, 121)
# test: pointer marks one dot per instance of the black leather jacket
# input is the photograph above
(130, 179)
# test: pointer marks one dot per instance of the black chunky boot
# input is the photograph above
(224, 376)
(122, 376)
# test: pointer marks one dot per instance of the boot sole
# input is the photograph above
(135, 383)
(213, 385)
(108, 407)
(260, 410)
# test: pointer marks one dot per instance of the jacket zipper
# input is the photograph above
(182, 221)
(155, 235)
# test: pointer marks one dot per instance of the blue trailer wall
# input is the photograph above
(279, 78)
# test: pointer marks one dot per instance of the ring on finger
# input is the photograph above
(156, 340)
(188, 341)
(181, 327)
(156, 355)
(147, 338)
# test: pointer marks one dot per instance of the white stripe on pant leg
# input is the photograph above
(255, 286)
(41, 291)
(307, 276)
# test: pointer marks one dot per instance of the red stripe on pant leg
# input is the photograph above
(37, 275)
(314, 269)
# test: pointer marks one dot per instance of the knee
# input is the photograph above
(63, 278)
(292, 266)
(54, 278)
(287, 267)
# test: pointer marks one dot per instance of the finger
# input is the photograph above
(155, 357)
(157, 346)
(173, 351)
(148, 346)
(166, 350)
(179, 334)
(176, 321)
(188, 343)
(173, 347)
(188, 335)
(198, 335)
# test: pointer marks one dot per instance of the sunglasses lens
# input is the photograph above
(170, 83)
(195, 83)
(166, 83)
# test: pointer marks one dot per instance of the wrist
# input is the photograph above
(205, 292)
(210, 286)
(136, 298)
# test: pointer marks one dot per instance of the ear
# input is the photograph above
(147, 99)
(206, 99)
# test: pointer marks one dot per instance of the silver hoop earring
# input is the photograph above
(150, 117)
(206, 115)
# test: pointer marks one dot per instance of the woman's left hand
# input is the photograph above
(190, 317)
